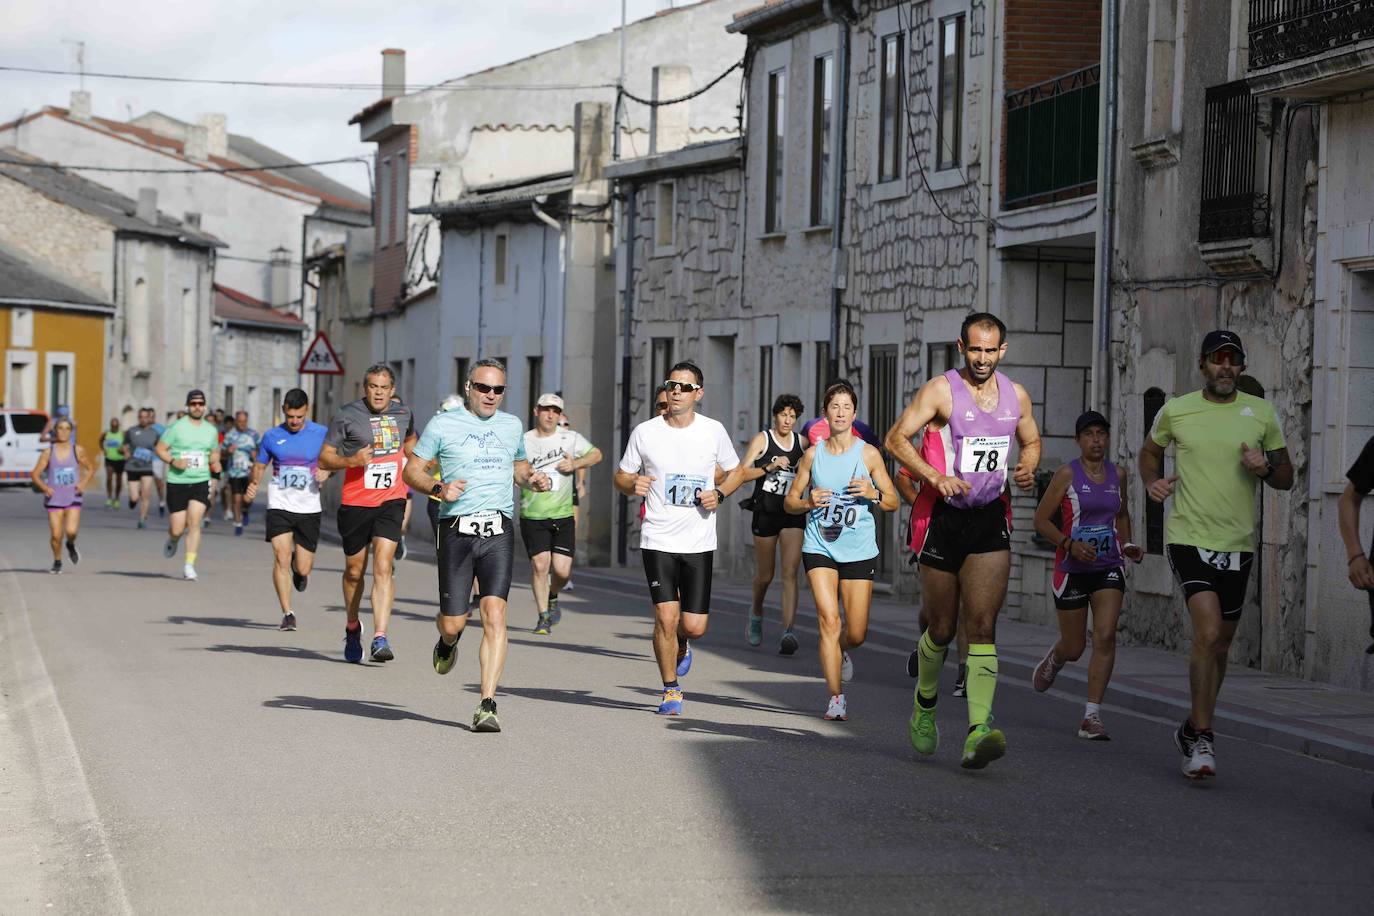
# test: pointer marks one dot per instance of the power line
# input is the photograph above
(226, 170)
(689, 96)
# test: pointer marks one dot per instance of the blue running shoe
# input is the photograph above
(684, 664)
(555, 614)
(672, 702)
(353, 645)
(381, 649)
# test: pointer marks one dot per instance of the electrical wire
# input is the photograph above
(683, 98)
(225, 170)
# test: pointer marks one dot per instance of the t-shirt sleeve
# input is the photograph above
(632, 460)
(520, 454)
(1163, 431)
(338, 431)
(1361, 473)
(428, 446)
(581, 446)
(1273, 433)
(725, 451)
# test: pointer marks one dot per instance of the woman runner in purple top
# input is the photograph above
(1092, 534)
(61, 475)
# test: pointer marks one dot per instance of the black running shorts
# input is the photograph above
(358, 525)
(545, 535)
(238, 485)
(1074, 590)
(681, 577)
(305, 526)
(855, 569)
(771, 524)
(463, 557)
(136, 476)
(180, 495)
(952, 535)
(1200, 570)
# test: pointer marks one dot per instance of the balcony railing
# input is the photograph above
(1052, 139)
(1289, 30)
(1233, 204)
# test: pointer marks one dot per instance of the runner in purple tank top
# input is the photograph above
(62, 473)
(1092, 537)
(961, 521)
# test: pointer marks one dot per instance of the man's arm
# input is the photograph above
(331, 460)
(1150, 462)
(164, 451)
(1129, 550)
(1028, 438)
(418, 476)
(924, 407)
(1348, 513)
(1282, 477)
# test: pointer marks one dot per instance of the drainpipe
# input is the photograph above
(1106, 206)
(555, 225)
(838, 272)
(622, 540)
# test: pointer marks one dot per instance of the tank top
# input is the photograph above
(773, 486)
(844, 530)
(975, 445)
(1088, 513)
(113, 443)
(62, 477)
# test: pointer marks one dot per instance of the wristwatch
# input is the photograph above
(1268, 471)
(720, 497)
(436, 489)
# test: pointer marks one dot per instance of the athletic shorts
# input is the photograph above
(952, 535)
(136, 476)
(74, 504)
(855, 569)
(116, 466)
(304, 525)
(1201, 570)
(542, 535)
(432, 507)
(358, 525)
(681, 577)
(1073, 590)
(463, 557)
(181, 495)
(238, 485)
(770, 524)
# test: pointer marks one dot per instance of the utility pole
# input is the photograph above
(80, 60)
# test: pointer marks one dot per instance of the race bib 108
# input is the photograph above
(984, 454)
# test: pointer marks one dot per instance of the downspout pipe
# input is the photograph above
(556, 376)
(838, 271)
(622, 511)
(1106, 206)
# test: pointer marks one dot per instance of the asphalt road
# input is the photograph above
(165, 749)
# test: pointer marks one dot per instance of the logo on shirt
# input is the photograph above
(1246, 412)
(968, 415)
(281, 441)
(386, 435)
(1085, 488)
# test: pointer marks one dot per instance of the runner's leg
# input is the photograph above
(1207, 664)
(765, 554)
(825, 586)
(789, 545)
(355, 569)
(983, 585)
(281, 568)
(940, 590)
(71, 520)
(55, 535)
(666, 624)
(1073, 626)
(857, 595)
(195, 511)
(1106, 605)
(383, 582)
(560, 571)
(305, 561)
(539, 581)
(492, 651)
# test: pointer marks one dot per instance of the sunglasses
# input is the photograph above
(195, 404)
(488, 389)
(688, 387)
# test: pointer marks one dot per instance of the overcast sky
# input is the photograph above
(275, 40)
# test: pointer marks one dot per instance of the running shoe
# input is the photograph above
(961, 682)
(484, 719)
(142, 524)
(56, 568)
(542, 627)
(788, 645)
(555, 615)
(288, 622)
(401, 553)
(672, 702)
(238, 531)
(169, 549)
(1182, 741)
(298, 581)
(381, 649)
(228, 515)
(567, 587)
(189, 572)
(73, 553)
(1093, 729)
(1202, 763)
(846, 667)
(754, 631)
(444, 656)
(982, 746)
(684, 662)
(1046, 672)
(838, 710)
(161, 510)
(923, 730)
(353, 644)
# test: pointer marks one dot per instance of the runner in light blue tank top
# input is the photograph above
(844, 529)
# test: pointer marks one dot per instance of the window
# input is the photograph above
(59, 386)
(665, 213)
(777, 142)
(949, 130)
(1154, 512)
(385, 216)
(400, 198)
(228, 399)
(765, 386)
(534, 382)
(940, 358)
(460, 373)
(499, 260)
(883, 362)
(890, 89)
(189, 326)
(660, 360)
(822, 106)
(822, 369)
(138, 325)
(250, 403)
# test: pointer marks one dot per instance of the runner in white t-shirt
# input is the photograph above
(671, 462)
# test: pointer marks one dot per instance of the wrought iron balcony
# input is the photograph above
(1282, 31)
(1051, 132)
(1233, 204)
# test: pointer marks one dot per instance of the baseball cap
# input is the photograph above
(1219, 340)
(1089, 418)
(195, 394)
(549, 399)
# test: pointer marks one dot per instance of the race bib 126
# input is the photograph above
(984, 454)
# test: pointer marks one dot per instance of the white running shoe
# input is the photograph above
(189, 572)
(838, 710)
(846, 667)
(1202, 763)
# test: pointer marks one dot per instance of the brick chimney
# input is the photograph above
(147, 205)
(216, 134)
(81, 105)
(591, 140)
(669, 125)
(197, 143)
(393, 72)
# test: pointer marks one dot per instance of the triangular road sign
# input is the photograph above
(320, 358)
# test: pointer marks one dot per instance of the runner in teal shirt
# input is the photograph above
(480, 450)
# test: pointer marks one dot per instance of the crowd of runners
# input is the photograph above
(966, 438)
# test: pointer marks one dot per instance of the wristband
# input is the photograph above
(1128, 545)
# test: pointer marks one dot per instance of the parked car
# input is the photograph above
(20, 432)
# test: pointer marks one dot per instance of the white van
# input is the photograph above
(20, 431)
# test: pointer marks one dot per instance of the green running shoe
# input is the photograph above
(543, 626)
(444, 656)
(925, 733)
(754, 632)
(484, 719)
(982, 746)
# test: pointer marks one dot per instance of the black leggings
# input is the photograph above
(681, 577)
(465, 556)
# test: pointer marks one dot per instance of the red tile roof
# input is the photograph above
(234, 305)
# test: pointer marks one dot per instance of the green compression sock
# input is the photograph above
(931, 660)
(982, 682)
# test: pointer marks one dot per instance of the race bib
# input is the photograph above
(64, 477)
(984, 454)
(683, 490)
(1101, 537)
(294, 477)
(241, 460)
(379, 476)
(195, 461)
(481, 524)
(841, 512)
(1226, 561)
(779, 482)
(144, 454)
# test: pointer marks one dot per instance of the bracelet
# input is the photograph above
(1357, 556)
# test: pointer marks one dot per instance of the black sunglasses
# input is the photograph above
(688, 387)
(488, 389)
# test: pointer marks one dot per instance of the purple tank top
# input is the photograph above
(1088, 513)
(62, 477)
(976, 445)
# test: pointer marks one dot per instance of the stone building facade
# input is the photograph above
(255, 358)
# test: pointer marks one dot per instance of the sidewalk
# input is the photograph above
(1285, 712)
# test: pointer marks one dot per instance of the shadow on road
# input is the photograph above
(693, 696)
(367, 709)
(395, 612)
(136, 574)
(574, 697)
(241, 622)
(577, 647)
(752, 732)
(291, 652)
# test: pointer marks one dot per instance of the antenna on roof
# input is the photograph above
(80, 59)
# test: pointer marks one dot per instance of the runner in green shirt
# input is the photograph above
(190, 447)
(112, 443)
(1225, 443)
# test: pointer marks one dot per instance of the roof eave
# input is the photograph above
(706, 158)
(259, 325)
(773, 16)
(58, 305)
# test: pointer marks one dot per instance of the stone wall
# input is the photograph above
(73, 243)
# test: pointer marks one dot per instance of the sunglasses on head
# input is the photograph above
(488, 389)
(688, 387)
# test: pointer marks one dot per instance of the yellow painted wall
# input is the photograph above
(79, 333)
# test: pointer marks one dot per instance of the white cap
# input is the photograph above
(549, 399)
